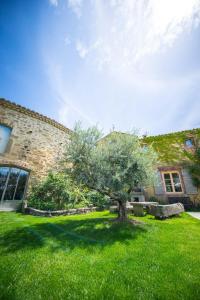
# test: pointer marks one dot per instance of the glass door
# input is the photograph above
(12, 183)
(4, 172)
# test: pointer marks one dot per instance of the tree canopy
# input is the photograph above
(113, 165)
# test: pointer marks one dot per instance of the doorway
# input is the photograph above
(13, 183)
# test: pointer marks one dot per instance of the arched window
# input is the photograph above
(12, 183)
(5, 132)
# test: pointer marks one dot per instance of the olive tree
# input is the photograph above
(113, 165)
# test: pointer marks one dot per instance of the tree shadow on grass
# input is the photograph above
(65, 235)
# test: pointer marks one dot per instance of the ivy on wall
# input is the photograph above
(171, 147)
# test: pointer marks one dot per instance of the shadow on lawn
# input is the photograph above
(68, 234)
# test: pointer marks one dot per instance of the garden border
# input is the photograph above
(51, 213)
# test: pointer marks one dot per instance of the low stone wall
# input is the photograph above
(51, 213)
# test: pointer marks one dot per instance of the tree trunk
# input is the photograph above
(122, 213)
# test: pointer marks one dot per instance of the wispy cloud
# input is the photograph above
(76, 6)
(81, 49)
(68, 111)
(124, 31)
(136, 47)
(67, 40)
(53, 2)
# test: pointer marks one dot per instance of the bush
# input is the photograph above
(58, 191)
(51, 194)
(97, 199)
(78, 196)
(153, 199)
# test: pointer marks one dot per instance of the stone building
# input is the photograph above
(30, 146)
(174, 155)
(174, 183)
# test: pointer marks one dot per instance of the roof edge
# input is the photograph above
(187, 131)
(11, 105)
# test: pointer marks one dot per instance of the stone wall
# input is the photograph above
(67, 212)
(37, 143)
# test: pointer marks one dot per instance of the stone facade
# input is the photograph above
(173, 157)
(36, 143)
(173, 152)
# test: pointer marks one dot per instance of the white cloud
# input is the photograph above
(76, 6)
(67, 40)
(84, 50)
(54, 2)
(81, 49)
(123, 32)
(128, 40)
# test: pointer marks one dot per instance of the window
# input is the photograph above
(4, 137)
(189, 143)
(12, 183)
(172, 182)
(136, 199)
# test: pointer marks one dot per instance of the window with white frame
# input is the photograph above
(5, 133)
(172, 182)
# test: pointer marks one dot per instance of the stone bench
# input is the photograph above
(138, 207)
(165, 211)
(135, 207)
(138, 210)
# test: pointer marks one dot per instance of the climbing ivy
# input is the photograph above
(171, 147)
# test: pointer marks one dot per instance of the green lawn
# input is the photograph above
(89, 257)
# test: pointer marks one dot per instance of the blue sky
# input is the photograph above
(122, 63)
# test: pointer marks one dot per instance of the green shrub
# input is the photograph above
(51, 194)
(97, 199)
(58, 191)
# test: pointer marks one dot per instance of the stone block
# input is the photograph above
(138, 210)
(165, 211)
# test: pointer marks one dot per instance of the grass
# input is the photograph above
(89, 257)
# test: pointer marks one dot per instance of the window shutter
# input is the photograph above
(159, 186)
(189, 186)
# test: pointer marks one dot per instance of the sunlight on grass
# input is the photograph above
(91, 257)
